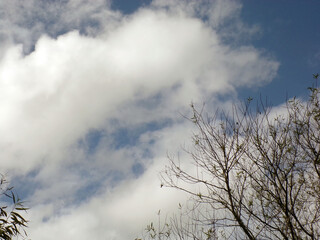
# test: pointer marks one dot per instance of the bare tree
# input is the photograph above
(257, 173)
(182, 226)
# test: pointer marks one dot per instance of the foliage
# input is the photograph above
(12, 223)
(256, 172)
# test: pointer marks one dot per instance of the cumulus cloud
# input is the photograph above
(92, 99)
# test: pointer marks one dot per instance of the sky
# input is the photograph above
(93, 94)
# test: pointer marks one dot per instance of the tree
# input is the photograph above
(256, 174)
(12, 223)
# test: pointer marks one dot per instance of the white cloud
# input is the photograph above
(122, 212)
(133, 73)
(25, 21)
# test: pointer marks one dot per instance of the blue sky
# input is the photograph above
(92, 95)
(289, 31)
